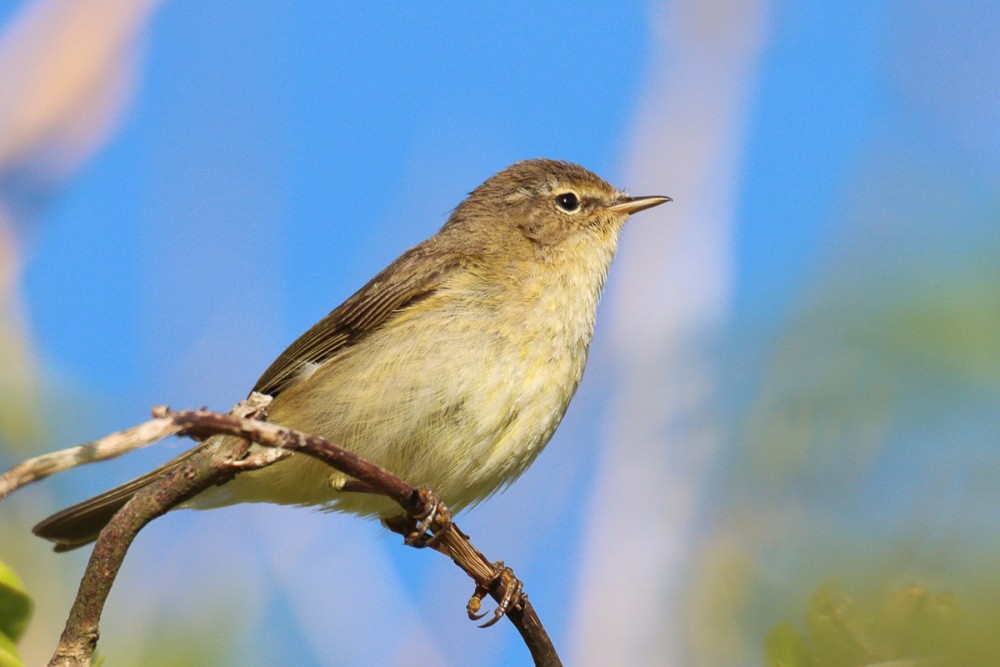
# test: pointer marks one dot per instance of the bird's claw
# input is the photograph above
(513, 597)
(424, 528)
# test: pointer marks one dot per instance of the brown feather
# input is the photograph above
(391, 290)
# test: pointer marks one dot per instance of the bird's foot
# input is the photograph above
(424, 528)
(513, 595)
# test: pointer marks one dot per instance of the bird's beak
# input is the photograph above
(635, 204)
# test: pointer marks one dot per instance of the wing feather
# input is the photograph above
(402, 283)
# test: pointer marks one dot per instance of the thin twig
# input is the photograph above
(104, 448)
(113, 445)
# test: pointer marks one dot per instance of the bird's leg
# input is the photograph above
(422, 526)
(513, 597)
(355, 486)
(431, 515)
(434, 518)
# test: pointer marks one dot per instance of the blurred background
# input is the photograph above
(786, 449)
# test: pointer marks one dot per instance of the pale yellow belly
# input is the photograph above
(464, 418)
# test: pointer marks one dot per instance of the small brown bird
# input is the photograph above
(452, 367)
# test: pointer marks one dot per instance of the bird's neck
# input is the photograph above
(561, 293)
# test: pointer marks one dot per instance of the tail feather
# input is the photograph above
(80, 524)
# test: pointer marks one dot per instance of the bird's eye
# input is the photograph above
(568, 202)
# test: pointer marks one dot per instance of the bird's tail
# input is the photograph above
(80, 524)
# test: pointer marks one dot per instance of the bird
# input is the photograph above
(451, 368)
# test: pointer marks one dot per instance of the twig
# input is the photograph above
(107, 447)
(113, 445)
(219, 463)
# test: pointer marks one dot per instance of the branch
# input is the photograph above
(217, 464)
(200, 471)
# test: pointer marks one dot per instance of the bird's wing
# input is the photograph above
(404, 282)
(398, 286)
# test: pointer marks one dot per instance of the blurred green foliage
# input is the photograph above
(15, 610)
(912, 626)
